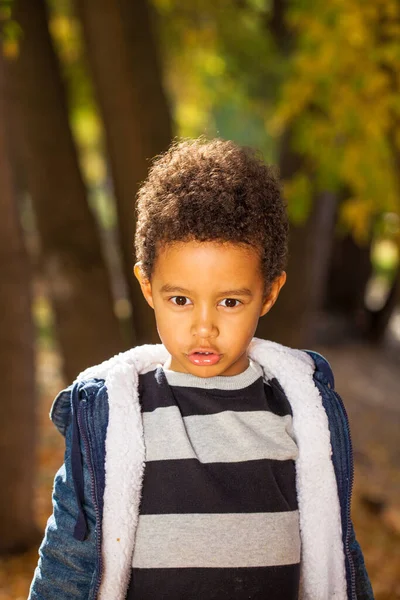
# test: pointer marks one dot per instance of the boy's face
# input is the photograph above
(192, 291)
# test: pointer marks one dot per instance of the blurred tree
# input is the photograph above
(17, 422)
(128, 81)
(311, 223)
(349, 272)
(87, 328)
(221, 68)
(292, 319)
(342, 100)
(377, 321)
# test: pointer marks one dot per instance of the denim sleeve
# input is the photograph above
(66, 567)
(342, 456)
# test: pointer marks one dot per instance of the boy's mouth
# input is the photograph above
(204, 357)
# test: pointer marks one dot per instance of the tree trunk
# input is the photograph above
(17, 423)
(127, 79)
(288, 321)
(140, 25)
(73, 263)
(349, 272)
(293, 319)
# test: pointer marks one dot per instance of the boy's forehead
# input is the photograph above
(186, 264)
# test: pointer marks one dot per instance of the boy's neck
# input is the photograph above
(223, 382)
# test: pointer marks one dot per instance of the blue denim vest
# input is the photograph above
(70, 566)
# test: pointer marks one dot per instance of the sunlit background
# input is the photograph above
(90, 91)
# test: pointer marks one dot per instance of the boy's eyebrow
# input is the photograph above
(237, 292)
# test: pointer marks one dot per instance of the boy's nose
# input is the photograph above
(203, 325)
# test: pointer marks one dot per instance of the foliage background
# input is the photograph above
(315, 87)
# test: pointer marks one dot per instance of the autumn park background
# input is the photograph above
(90, 91)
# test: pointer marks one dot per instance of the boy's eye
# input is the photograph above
(180, 300)
(231, 302)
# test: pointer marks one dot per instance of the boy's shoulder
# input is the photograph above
(322, 366)
(288, 361)
(91, 384)
(89, 390)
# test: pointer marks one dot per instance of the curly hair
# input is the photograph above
(214, 190)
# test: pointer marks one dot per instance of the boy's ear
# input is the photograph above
(145, 284)
(272, 297)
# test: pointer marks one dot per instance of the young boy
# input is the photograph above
(214, 465)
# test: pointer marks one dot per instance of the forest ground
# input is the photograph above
(368, 381)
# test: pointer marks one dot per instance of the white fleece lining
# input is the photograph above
(322, 556)
(322, 563)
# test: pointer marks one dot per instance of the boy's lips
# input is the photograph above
(204, 356)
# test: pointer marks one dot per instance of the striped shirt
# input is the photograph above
(218, 516)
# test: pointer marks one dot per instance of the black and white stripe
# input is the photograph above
(251, 487)
(219, 508)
